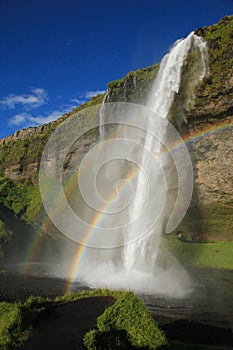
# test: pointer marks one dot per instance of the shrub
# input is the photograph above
(11, 332)
(127, 324)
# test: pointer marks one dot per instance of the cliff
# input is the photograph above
(210, 129)
(208, 133)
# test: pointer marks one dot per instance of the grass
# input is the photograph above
(127, 324)
(219, 38)
(5, 235)
(4, 232)
(127, 321)
(14, 195)
(216, 255)
(34, 205)
(11, 328)
(134, 86)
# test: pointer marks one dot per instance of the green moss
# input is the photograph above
(219, 38)
(125, 325)
(211, 222)
(34, 205)
(134, 86)
(11, 329)
(216, 255)
(129, 315)
(14, 195)
(23, 198)
(5, 235)
(29, 149)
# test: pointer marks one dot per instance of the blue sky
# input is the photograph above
(56, 54)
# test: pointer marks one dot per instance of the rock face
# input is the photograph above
(209, 128)
(210, 146)
(208, 134)
(21, 152)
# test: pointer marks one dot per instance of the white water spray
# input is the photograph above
(153, 196)
(161, 97)
(136, 265)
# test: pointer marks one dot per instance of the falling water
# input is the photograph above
(101, 128)
(168, 80)
(165, 86)
(136, 265)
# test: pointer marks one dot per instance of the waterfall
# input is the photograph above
(101, 128)
(166, 85)
(135, 80)
(134, 263)
(168, 79)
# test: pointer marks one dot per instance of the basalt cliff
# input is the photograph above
(206, 125)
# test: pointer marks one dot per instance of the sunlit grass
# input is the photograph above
(216, 255)
(128, 316)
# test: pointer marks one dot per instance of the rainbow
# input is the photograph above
(36, 243)
(95, 223)
(76, 264)
(35, 246)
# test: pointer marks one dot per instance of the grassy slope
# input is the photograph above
(23, 199)
(216, 255)
(5, 235)
(16, 320)
(125, 325)
(219, 37)
(12, 331)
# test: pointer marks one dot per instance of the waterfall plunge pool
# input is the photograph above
(210, 302)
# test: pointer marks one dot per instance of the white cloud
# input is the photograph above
(79, 101)
(89, 94)
(25, 120)
(19, 119)
(36, 98)
(47, 119)
(84, 97)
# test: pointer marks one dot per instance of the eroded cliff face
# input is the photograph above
(208, 135)
(21, 152)
(210, 145)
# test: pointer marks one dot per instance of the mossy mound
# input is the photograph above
(125, 325)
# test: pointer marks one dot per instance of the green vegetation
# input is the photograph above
(4, 232)
(134, 86)
(128, 321)
(217, 83)
(125, 325)
(22, 197)
(34, 204)
(27, 148)
(11, 328)
(5, 235)
(211, 222)
(216, 255)
(23, 151)
(14, 195)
